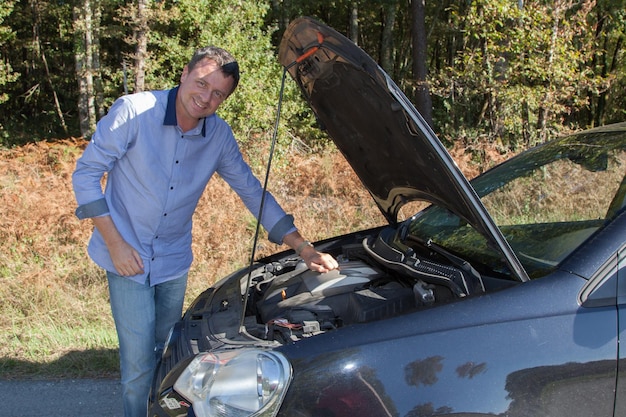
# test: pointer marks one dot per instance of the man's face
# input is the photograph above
(201, 91)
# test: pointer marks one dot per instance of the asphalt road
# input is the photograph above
(61, 398)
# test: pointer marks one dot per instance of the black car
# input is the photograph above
(504, 297)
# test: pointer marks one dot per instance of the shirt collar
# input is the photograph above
(170, 111)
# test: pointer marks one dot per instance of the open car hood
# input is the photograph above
(386, 141)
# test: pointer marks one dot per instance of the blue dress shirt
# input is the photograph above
(156, 174)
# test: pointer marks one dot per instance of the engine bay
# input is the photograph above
(374, 282)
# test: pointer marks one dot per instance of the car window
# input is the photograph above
(546, 202)
(560, 191)
(547, 213)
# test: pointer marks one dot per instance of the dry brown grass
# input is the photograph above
(53, 300)
(322, 193)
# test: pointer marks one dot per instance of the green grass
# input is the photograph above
(54, 351)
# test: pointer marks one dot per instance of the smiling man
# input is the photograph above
(159, 149)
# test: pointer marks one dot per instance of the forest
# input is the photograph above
(508, 72)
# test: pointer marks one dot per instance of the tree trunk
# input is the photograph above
(83, 41)
(354, 22)
(97, 69)
(141, 49)
(386, 47)
(543, 113)
(281, 13)
(423, 101)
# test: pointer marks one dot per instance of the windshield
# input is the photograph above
(546, 202)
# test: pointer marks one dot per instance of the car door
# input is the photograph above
(620, 399)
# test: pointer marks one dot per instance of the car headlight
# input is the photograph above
(235, 383)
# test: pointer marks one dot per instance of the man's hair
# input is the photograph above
(222, 57)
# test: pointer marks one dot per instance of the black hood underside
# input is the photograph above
(391, 148)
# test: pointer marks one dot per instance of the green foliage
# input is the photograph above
(610, 105)
(498, 71)
(6, 35)
(522, 73)
(7, 75)
(180, 27)
(41, 53)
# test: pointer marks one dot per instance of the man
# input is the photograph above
(159, 149)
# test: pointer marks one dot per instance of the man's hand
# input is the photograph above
(125, 258)
(318, 261)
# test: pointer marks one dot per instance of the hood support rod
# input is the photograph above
(259, 217)
(301, 58)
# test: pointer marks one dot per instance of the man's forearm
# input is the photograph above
(108, 230)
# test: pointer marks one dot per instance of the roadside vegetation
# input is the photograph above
(53, 300)
(54, 306)
(493, 78)
(502, 71)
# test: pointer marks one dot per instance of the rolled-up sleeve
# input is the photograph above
(106, 146)
(94, 209)
(282, 228)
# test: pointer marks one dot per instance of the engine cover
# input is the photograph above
(355, 293)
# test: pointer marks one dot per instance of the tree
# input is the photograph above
(387, 38)
(518, 69)
(42, 99)
(420, 76)
(505, 71)
(40, 51)
(608, 103)
(354, 22)
(141, 32)
(6, 36)
(85, 47)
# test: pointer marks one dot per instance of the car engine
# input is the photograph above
(293, 302)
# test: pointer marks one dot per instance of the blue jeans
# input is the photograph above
(143, 316)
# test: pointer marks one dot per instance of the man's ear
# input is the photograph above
(184, 74)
